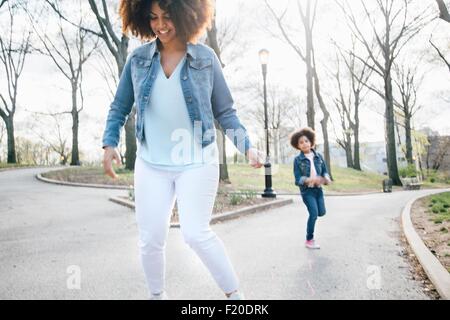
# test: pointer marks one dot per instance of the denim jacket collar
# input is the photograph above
(191, 50)
(302, 155)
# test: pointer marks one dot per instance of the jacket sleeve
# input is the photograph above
(299, 178)
(120, 108)
(222, 107)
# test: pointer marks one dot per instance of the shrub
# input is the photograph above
(408, 171)
(236, 199)
(438, 220)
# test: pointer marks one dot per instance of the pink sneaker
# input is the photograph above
(312, 244)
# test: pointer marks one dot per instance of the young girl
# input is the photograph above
(310, 173)
(178, 88)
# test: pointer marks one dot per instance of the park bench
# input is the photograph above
(411, 183)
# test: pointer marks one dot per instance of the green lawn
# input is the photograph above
(345, 180)
(242, 177)
(439, 207)
(4, 165)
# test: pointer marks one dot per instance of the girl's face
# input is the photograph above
(304, 144)
(161, 24)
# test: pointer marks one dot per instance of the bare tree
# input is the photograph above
(348, 105)
(391, 36)
(437, 149)
(408, 81)
(343, 105)
(220, 38)
(117, 44)
(443, 11)
(69, 55)
(54, 135)
(307, 18)
(13, 53)
(307, 15)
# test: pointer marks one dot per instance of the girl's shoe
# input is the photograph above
(160, 296)
(311, 244)
(236, 296)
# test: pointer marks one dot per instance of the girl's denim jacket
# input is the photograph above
(204, 88)
(302, 168)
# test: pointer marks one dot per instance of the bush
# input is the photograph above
(408, 171)
(236, 199)
(432, 180)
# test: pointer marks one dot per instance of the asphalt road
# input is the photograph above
(60, 242)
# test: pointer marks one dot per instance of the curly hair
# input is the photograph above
(190, 17)
(306, 132)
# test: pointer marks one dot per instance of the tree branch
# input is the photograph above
(443, 11)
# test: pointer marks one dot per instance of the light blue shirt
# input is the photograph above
(169, 133)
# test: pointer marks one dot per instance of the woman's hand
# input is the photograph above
(255, 157)
(110, 155)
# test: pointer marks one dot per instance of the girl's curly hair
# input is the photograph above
(307, 132)
(190, 17)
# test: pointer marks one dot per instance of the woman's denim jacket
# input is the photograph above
(302, 168)
(204, 88)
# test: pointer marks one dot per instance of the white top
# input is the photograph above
(310, 157)
(169, 135)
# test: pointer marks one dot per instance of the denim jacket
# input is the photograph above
(302, 168)
(204, 88)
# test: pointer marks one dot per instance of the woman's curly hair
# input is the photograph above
(190, 17)
(307, 132)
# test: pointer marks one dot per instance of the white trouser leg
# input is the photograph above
(154, 200)
(196, 191)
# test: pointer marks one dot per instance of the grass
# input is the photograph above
(4, 165)
(242, 177)
(439, 206)
(345, 180)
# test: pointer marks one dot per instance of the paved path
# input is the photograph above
(45, 229)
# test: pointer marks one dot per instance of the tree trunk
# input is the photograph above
(310, 113)
(356, 157)
(323, 122)
(391, 153)
(409, 148)
(130, 136)
(213, 43)
(75, 161)
(9, 122)
(221, 144)
(348, 151)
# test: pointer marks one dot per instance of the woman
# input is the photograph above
(178, 88)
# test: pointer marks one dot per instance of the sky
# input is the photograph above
(44, 89)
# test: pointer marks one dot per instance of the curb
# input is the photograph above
(222, 216)
(77, 184)
(436, 272)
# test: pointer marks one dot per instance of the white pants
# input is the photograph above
(195, 190)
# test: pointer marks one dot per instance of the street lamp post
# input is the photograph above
(268, 191)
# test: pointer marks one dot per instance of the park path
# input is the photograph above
(45, 229)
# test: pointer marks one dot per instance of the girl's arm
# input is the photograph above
(120, 108)
(299, 179)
